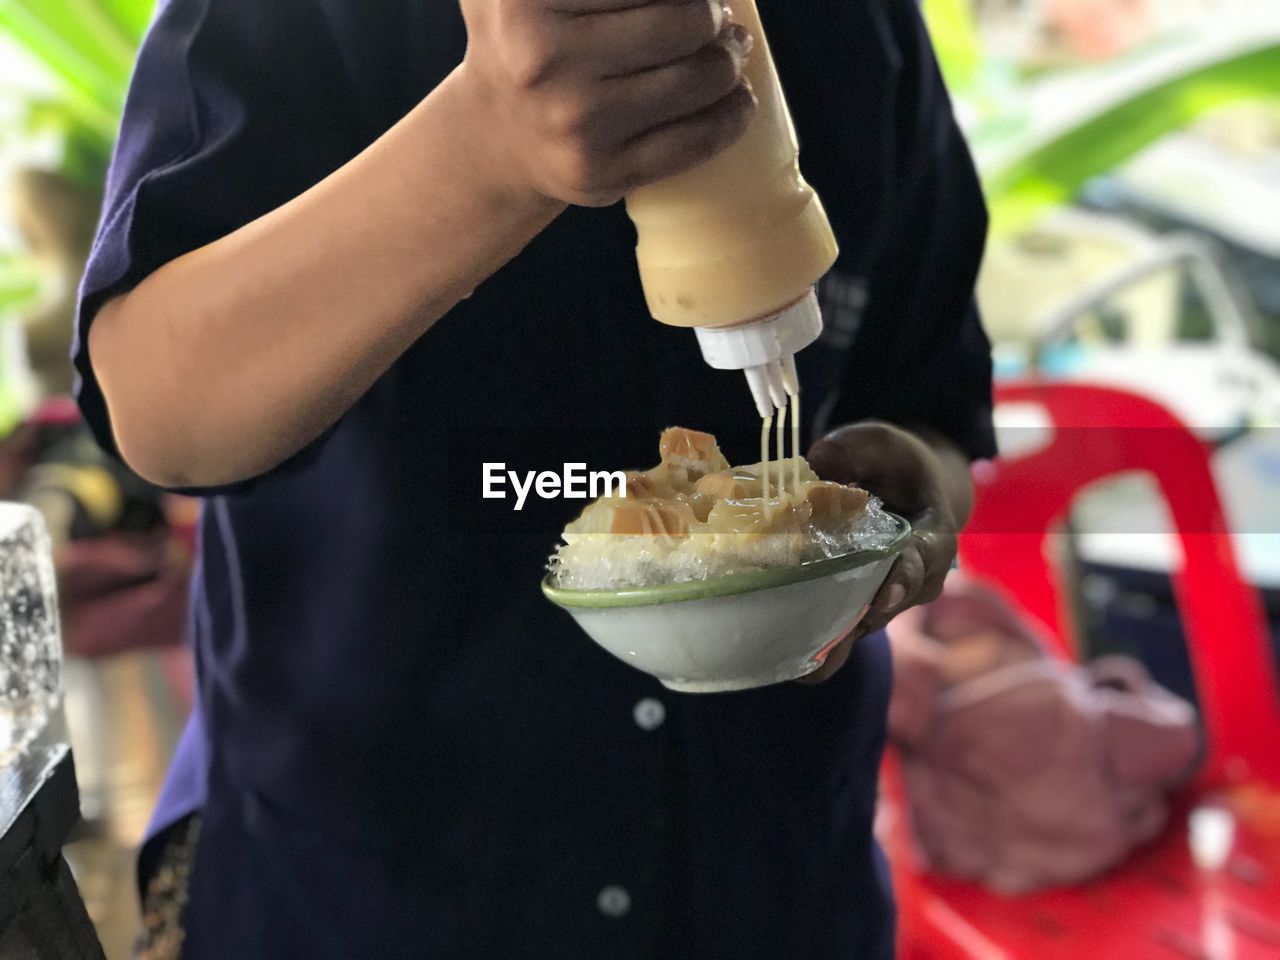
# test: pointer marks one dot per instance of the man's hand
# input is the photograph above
(925, 481)
(583, 101)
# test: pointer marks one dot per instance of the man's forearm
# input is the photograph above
(230, 359)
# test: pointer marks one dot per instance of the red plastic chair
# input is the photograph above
(1158, 904)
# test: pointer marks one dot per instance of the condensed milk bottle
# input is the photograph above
(734, 248)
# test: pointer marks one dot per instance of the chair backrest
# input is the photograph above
(1098, 432)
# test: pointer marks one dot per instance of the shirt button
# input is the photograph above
(614, 902)
(649, 714)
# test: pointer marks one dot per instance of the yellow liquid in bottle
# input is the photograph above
(743, 236)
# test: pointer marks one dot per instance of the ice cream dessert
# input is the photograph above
(693, 517)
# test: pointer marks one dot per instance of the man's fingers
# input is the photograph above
(835, 660)
(641, 38)
(902, 586)
(900, 591)
(903, 471)
(578, 49)
(581, 7)
(682, 89)
(938, 550)
(832, 462)
(686, 143)
(880, 458)
(862, 462)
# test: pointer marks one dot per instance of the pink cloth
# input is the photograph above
(1023, 771)
(1100, 29)
(123, 591)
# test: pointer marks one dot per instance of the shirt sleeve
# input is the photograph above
(921, 357)
(223, 93)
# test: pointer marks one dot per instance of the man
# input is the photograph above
(352, 252)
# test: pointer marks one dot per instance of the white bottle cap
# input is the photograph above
(765, 349)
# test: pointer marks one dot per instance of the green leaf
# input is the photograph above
(88, 48)
(131, 17)
(1051, 171)
(20, 287)
(955, 40)
(86, 142)
(20, 284)
(77, 44)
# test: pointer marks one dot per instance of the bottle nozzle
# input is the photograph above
(768, 386)
(766, 350)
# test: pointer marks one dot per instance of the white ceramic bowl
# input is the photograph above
(736, 632)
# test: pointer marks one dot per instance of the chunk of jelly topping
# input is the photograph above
(694, 517)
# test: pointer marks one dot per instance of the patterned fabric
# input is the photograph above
(165, 900)
(1022, 771)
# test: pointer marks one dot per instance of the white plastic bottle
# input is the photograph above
(734, 248)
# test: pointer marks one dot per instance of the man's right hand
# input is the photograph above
(584, 101)
(232, 357)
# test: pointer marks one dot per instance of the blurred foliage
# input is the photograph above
(1049, 174)
(87, 47)
(20, 285)
(955, 39)
(1052, 173)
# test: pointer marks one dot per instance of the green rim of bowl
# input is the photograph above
(723, 586)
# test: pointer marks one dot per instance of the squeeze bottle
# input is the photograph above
(734, 247)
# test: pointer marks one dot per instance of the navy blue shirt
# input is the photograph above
(401, 749)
